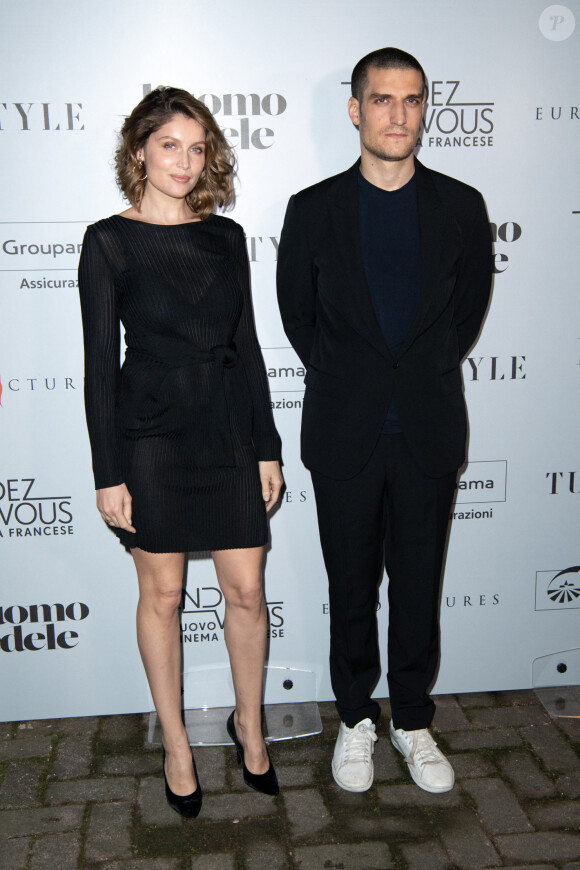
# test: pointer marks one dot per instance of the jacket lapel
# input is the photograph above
(355, 294)
(354, 291)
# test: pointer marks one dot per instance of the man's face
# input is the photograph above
(390, 112)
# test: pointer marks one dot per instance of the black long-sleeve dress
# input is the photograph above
(186, 418)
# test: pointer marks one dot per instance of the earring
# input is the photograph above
(140, 167)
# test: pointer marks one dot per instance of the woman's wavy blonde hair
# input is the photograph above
(215, 187)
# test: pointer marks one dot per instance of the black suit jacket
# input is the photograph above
(329, 319)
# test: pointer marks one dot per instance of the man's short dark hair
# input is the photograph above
(383, 58)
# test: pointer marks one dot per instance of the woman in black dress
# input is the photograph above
(185, 452)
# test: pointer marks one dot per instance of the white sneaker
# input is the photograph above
(427, 764)
(352, 763)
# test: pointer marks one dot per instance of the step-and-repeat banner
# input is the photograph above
(503, 115)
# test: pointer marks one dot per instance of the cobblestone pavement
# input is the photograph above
(87, 793)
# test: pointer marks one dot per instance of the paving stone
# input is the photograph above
(386, 762)
(570, 726)
(556, 814)
(296, 774)
(483, 738)
(79, 725)
(524, 772)
(266, 853)
(516, 717)
(14, 853)
(569, 785)
(345, 801)
(56, 851)
(237, 806)
(308, 751)
(139, 764)
(306, 812)
(370, 856)
(381, 728)
(517, 697)
(120, 729)
(27, 747)
(36, 728)
(42, 820)
(385, 714)
(548, 845)
(108, 834)
(153, 806)
(425, 856)
(412, 824)
(330, 718)
(448, 715)
(144, 720)
(438, 832)
(73, 757)
(466, 841)
(214, 862)
(552, 748)
(211, 764)
(471, 764)
(20, 786)
(497, 806)
(476, 699)
(328, 712)
(80, 791)
(144, 864)
(412, 796)
(535, 867)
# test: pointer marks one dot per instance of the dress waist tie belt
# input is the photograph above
(220, 358)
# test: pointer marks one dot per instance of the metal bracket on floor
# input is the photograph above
(207, 726)
(556, 682)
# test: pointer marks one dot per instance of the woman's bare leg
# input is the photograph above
(239, 574)
(160, 588)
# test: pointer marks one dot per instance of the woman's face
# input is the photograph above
(174, 156)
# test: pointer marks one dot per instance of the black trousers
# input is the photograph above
(391, 515)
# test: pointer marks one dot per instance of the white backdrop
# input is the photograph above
(503, 115)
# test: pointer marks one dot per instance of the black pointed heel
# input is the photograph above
(267, 783)
(187, 805)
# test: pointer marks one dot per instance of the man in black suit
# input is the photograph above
(384, 275)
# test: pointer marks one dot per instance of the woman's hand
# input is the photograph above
(272, 482)
(114, 505)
